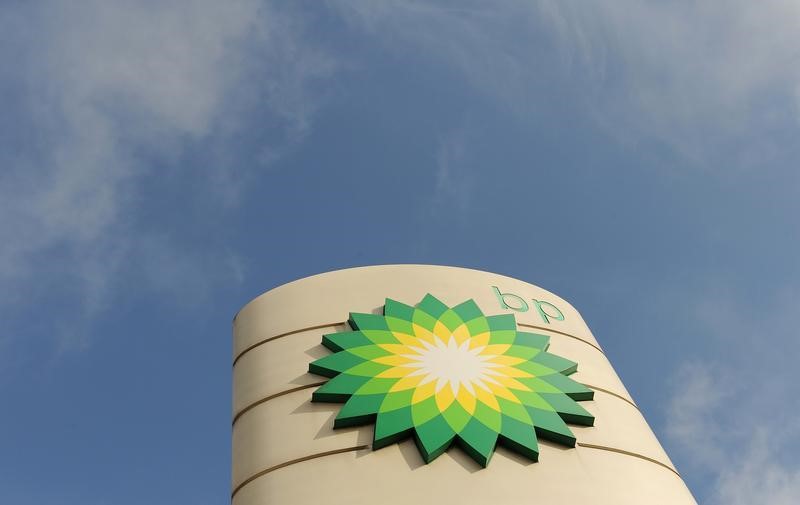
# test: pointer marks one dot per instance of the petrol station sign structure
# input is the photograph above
(433, 384)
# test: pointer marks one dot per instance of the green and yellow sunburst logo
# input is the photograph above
(445, 375)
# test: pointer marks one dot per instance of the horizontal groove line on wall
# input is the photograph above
(276, 337)
(616, 395)
(562, 333)
(320, 326)
(629, 453)
(264, 400)
(276, 395)
(363, 447)
(295, 461)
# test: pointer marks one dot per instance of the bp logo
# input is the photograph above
(445, 375)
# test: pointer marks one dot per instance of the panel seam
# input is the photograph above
(562, 333)
(276, 337)
(316, 384)
(295, 461)
(363, 447)
(612, 394)
(629, 453)
(319, 326)
(272, 397)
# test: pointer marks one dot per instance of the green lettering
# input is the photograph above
(540, 306)
(520, 305)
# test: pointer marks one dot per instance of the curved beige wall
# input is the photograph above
(286, 452)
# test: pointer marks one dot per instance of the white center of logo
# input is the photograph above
(454, 364)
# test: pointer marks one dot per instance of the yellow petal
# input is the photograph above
(511, 383)
(487, 397)
(441, 331)
(466, 399)
(423, 334)
(396, 372)
(397, 348)
(444, 397)
(495, 349)
(394, 360)
(508, 371)
(506, 360)
(423, 392)
(406, 339)
(461, 334)
(479, 340)
(503, 392)
(406, 383)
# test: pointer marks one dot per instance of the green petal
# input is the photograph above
(520, 438)
(367, 368)
(432, 306)
(502, 337)
(340, 341)
(479, 441)
(396, 400)
(535, 369)
(376, 386)
(395, 309)
(332, 365)
(359, 409)
(369, 352)
(532, 399)
(569, 411)
(514, 410)
(451, 320)
(433, 438)
(467, 311)
(367, 321)
(392, 426)
(424, 319)
(456, 416)
(502, 322)
(536, 340)
(424, 411)
(338, 389)
(569, 387)
(549, 425)
(539, 385)
(478, 326)
(380, 336)
(397, 325)
(487, 416)
(521, 351)
(557, 363)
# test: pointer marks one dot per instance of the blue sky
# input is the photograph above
(163, 162)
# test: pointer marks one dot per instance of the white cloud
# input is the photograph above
(695, 412)
(733, 418)
(695, 75)
(103, 89)
(454, 179)
(711, 82)
(756, 476)
(178, 273)
(487, 42)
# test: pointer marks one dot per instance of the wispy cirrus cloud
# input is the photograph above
(759, 476)
(693, 78)
(105, 100)
(454, 175)
(732, 418)
(697, 77)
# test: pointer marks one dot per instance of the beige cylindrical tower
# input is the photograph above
(285, 447)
